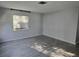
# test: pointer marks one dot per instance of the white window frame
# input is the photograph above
(20, 22)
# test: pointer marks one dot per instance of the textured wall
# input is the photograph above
(61, 25)
(6, 30)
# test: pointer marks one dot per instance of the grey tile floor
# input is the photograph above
(39, 46)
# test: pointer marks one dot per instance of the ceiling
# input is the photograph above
(33, 6)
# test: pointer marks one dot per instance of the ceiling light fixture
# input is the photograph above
(42, 2)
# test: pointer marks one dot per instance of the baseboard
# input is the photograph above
(61, 39)
(20, 38)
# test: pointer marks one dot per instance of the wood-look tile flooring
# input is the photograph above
(39, 46)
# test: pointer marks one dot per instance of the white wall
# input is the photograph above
(61, 25)
(6, 30)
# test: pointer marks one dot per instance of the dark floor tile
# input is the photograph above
(39, 46)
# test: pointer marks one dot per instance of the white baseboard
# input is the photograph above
(18, 38)
(59, 39)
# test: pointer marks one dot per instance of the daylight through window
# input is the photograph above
(20, 22)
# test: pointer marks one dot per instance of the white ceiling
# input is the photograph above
(33, 6)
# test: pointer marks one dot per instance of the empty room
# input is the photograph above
(39, 28)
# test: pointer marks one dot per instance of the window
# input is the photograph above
(20, 22)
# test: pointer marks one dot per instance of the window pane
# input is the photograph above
(20, 22)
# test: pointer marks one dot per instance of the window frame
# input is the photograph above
(20, 24)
